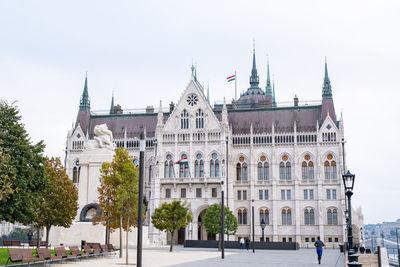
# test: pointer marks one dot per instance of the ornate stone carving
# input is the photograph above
(103, 138)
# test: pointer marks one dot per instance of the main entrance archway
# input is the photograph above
(201, 229)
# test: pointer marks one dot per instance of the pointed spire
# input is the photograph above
(268, 88)
(208, 92)
(273, 93)
(112, 104)
(160, 115)
(254, 79)
(327, 88)
(224, 113)
(85, 102)
(195, 73)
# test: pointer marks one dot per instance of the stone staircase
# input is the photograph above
(368, 260)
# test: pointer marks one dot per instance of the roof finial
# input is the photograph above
(208, 92)
(254, 45)
(268, 89)
(254, 79)
(112, 103)
(85, 102)
(273, 91)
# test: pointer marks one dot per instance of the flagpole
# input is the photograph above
(235, 87)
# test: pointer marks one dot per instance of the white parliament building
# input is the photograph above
(286, 160)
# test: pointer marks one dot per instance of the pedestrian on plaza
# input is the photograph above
(318, 245)
(241, 243)
(362, 250)
(247, 243)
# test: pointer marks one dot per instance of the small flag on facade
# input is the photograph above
(231, 78)
(182, 161)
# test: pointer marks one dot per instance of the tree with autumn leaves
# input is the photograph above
(58, 203)
(119, 193)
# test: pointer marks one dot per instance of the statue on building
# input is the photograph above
(103, 138)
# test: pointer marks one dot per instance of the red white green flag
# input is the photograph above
(182, 161)
(231, 78)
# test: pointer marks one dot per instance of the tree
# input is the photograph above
(58, 205)
(7, 176)
(26, 179)
(212, 220)
(118, 194)
(171, 217)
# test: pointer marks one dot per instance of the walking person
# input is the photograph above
(247, 243)
(318, 245)
(241, 243)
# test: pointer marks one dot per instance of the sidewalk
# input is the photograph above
(181, 257)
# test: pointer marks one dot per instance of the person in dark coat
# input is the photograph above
(362, 250)
(247, 243)
(318, 245)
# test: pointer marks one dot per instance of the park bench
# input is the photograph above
(110, 247)
(45, 254)
(11, 243)
(88, 250)
(96, 247)
(24, 255)
(60, 251)
(76, 252)
(33, 243)
(104, 248)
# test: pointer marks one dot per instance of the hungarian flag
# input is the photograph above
(182, 161)
(231, 78)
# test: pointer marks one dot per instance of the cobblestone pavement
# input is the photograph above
(181, 257)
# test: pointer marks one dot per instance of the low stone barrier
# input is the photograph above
(235, 244)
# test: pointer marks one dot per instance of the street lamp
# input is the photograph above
(252, 222)
(221, 238)
(348, 182)
(262, 228)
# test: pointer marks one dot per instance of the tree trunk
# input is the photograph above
(127, 233)
(37, 237)
(172, 241)
(120, 236)
(47, 235)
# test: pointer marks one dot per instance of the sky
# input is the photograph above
(142, 51)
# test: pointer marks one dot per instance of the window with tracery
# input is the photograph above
(169, 167)
(214, 165)
(263, 169)
(241, 169)
(332, 216)
(307, 168)
(285, 169)
(199, 166)
(330, 169)
(309, 218)
(264, 215)
(286, 216)
(76, 171)
(184, 167)
(199, 119)
(185, 119)
(242, 216)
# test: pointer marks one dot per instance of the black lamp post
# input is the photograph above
(140, 204)
(262, 228)
(221, 238)
(252, 222)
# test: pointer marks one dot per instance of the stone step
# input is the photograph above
(368, 260)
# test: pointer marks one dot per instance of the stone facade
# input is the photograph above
(285, 161)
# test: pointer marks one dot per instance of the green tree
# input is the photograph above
(171, 217)
(26, 181)
(119, 194)
(58, 204)
(212, 220)
(7, 176)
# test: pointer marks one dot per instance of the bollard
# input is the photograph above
(354, 264)
(352, 257)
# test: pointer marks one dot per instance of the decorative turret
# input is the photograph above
(85, 102)
(254, 79)
(160, 116)
(268, 88)
(112, 104)
(273, 94)
(83, 117)
(224, 120)
(326, 88)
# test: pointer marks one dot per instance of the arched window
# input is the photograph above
(184, 119)
(332, 216)
(76, 172)
(184, 167)
(241, 170)
(242, 216)
(263, 169)
(282, 171)
(199, 119)
(288, 171)
(307, 168)
(286, 217)
(199, 166)
(136, 163)
(309, 216)
(169, 167)
(150, 173)
(214, 165)
(264, 215)
(330, 169)
(285, 169)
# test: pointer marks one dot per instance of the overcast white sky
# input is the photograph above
(143, 51)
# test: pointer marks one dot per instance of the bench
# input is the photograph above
(110, 247)
(96, 247)
(24, 255)
(60, 251)
(88, 250)
(33, 243)
(74, 250)
(11, 243)
(45, 254)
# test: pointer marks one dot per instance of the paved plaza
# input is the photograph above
(182, 257)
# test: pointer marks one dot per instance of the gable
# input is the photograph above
(191, 102)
